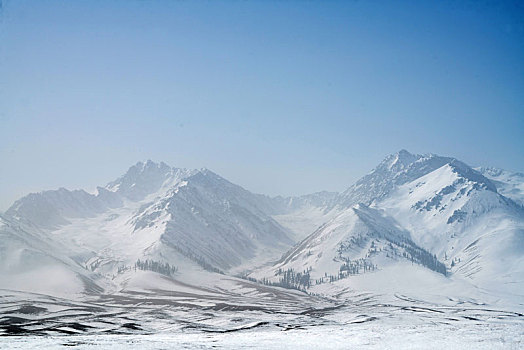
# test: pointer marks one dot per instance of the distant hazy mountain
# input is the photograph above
(152, 212)
(509, 184)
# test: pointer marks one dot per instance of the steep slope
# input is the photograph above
(215, 222)
(475, 230)
(356, 241)
(159, 213)
(457, 214)
(398, 169)
(448, 217)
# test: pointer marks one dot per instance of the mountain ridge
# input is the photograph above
(429, 210)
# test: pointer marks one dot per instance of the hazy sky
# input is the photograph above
(283, 97)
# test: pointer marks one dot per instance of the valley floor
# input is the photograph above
(377, 335)
(267, 321)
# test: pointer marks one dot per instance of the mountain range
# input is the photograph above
(433, 219)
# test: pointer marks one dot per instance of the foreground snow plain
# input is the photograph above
(232, 313)
(376, 336)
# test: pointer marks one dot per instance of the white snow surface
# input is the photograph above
(152, 212)
(423, 205)
(421, 248)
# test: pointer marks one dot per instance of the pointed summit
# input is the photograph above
(145, 178)
(398, 161)
(406, 157)
(403, 167)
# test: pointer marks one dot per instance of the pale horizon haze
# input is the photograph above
(280, 97)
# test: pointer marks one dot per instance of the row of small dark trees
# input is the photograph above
(302, 280)
(355, 241)
(355, 267)
(349, 268)
(155, 266)
(420, 256)
(290, 279)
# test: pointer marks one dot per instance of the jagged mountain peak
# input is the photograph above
(150, 164)
(148, 177)
(400, 168)
(206, 173)
(145, 178)
(143, 182)
(398, 161)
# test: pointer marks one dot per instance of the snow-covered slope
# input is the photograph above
(433, 212)
(34, 262)
(356, 241)
(398, 169)
(429, 210)
(476, 231)
(215, 221)
(159, 213)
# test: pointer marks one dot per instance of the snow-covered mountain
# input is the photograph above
(401, 168)
(152, 212)
(433, 211)
(457, 214)
(417, 215)
(52, 209)
(356, 241)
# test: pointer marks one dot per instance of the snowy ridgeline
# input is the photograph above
(425, 213)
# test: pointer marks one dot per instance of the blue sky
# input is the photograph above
(281, 97)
